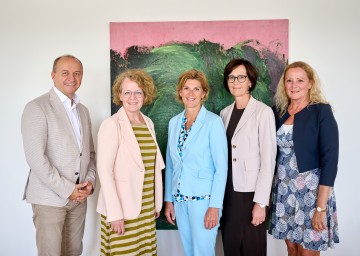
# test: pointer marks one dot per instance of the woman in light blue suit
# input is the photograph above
(196, 167)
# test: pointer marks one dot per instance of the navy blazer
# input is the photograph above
(316, 140)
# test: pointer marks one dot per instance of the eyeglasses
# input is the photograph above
(240, 78)
(137, 94)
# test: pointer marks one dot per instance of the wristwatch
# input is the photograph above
(319, 209)
(262, 205)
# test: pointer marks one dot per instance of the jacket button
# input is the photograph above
(80, 154)
(234, 159)
(76, 173)
(234, 146)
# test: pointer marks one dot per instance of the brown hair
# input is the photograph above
(196, 75)
(251, 72)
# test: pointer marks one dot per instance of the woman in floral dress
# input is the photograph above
(303, 200)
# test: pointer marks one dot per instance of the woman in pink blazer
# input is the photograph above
(250, 131)
(129, 165)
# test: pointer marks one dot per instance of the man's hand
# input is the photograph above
(81, 192)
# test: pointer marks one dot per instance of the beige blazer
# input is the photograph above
(52, 152)
(253, 148)
(121, 169)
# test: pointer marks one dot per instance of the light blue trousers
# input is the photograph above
(196, 239)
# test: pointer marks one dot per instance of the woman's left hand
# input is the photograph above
(211, 217)
(157, 215)
(258, 215)
(319, 221)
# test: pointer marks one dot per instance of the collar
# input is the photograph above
(64, 99)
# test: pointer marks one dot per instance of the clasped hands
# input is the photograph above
(81, 191)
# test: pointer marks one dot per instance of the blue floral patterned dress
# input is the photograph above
(294, 201)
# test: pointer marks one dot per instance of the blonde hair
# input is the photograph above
(196, 75)
(139, 76)
(282, 101)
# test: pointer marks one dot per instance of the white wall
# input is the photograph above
(323, 33)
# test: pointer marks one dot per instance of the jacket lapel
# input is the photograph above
(129, 136)
(197, 125)
(61, 112)
(248, 112)
(84, 125)
(175, 129)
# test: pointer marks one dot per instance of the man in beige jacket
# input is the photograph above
(59, 150)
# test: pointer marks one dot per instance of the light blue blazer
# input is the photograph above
(203, 169)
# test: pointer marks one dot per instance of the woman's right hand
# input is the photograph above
(118, 226)
(170, 212)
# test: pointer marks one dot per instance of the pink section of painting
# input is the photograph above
(271, 34)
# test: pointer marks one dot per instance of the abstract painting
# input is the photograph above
(166, 49)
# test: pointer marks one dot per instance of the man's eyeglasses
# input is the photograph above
(137, 94)
(240, 78)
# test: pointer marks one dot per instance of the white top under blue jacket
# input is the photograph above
(202, 169)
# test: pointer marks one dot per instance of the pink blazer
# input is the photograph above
(253, 147)
(121, 169)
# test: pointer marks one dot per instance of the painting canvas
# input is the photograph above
(166, 49)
